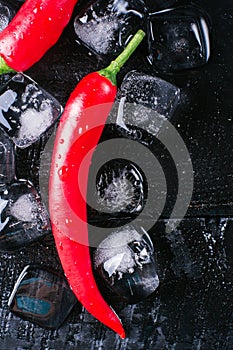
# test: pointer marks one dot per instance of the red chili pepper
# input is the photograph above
(35, 28)
(78, 134)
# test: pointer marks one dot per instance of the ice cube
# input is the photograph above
(42, 297)
(7, 159)
(178, 39)
(26, 110)
(120, 187)
(6, 14)
(24, 218)
(151, 92)
(125, 262)
(106, 26)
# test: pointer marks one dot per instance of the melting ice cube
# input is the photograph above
(125, 261)
(26, 110)
(25, 216)
(151, 92)
(178, 39)
(120, 187)
(106, 26)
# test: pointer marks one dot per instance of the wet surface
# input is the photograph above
(192, 307)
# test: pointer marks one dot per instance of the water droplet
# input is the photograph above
(62, 173)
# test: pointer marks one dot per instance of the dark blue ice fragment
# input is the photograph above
(125, 263)
(7, 159)
(178, 39)
(24, 218)
(105, 27)
(42, 297)
(26, 110)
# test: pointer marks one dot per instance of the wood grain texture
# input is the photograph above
(192, 309)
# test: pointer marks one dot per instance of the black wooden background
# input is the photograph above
(192, 309)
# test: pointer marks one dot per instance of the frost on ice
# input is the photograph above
(94, 31)
(117, 194)
(33, 124)
(24, 209)
(114, 251)
(26, 110)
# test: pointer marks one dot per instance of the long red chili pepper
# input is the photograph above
(78, 134)
(35, 28)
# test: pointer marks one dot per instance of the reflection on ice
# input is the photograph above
(26, 110)
(7, 159)
(107, 26)
(178, 39)
(41, 297)
(125, 261)
(24, 218)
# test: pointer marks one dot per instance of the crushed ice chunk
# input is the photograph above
(118, 193)
(34, 123)
(24, 209)
(94, 31)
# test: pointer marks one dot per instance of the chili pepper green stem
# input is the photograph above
(111, 71)
(4, 68)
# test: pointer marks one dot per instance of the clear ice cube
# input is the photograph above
(7, 159)
(23, 217)
(125, 263)
(106, 26)
(120, 188)
(26, 110)
(151, 92)
(178, 39)
(42, 297)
